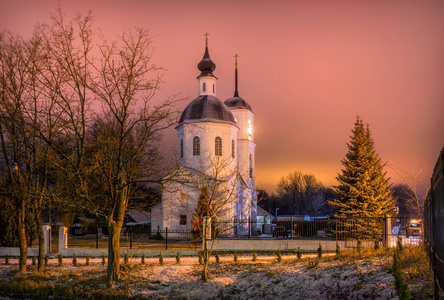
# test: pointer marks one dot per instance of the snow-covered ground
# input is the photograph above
(332, 278)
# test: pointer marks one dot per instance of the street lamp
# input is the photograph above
(276, 213)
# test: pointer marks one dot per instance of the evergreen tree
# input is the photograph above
(363, 191)
(203, 209)
(200, 212)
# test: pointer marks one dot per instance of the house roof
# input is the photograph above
(262, 212)
(139, 217)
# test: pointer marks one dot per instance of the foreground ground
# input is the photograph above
(349, 276)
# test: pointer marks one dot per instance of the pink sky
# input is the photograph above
(307, 68)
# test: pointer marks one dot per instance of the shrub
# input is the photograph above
(319, 251)
(160, 259)
(60, 259)
(217, 257)
(399, 246)
(376, 245)
(103, 259)
(401, 286)
(34, 260)
(142, 260)
(338, 250)
(7, 259)
(46, 260)
(200, 257)
(177, 258)
(74, 260)
(125, 258)
(278, 255)
(235, 257)
(313, 263)
(254, 255)
(359, 247)
(87, 260)
(299, 254)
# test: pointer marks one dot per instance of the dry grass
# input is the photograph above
(350, 275)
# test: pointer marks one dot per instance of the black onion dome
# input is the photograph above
(207, 108)
(206, 66)
(237, 102)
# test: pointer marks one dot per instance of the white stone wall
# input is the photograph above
(207, 133)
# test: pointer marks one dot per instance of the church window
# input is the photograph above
(214, 88)
(218, 146)
(181, 148)
(196, 146)
(232, 148)
(251, 166)
(183, 219)
(204, 87)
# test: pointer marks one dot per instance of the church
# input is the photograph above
(216, 151)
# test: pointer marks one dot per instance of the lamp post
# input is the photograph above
(276, 213)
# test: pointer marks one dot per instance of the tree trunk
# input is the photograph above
(22, 237)
(113, 272)
(206, 257)
(41, 257)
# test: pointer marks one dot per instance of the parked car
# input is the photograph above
(414, 228)
(401, 231)
(280, 231)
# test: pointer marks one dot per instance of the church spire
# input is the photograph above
(206, 66)
(236, 93)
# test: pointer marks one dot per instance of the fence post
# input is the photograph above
(63, 238)
(131, 238)
(292, 227)
(166, 238)
(97, 238)
(47, 239)
(387, 231)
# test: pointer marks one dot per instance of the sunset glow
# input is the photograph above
(307, 68)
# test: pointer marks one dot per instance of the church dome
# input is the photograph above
(206, 66)
(237, 102)
(207, 108)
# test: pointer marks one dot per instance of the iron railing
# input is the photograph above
(434, 225)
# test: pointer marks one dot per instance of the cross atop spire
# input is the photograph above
(206, 38)
(235, 60)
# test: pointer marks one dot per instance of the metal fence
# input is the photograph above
(384, 229)
(434, 224)
(137, 239)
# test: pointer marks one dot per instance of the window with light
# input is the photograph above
(250, 130)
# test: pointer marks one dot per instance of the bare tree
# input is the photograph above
(414, 201)
(24, 156)
(302, 193)
(212, 198)
(103, 153)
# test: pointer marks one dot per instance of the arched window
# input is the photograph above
(214, 88)
(204, 87)
(232, 148)
(251, 166)
(181, 148)
(196, 146)
(218, 146)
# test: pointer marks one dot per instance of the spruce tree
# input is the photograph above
(200, 212)
(363, 192)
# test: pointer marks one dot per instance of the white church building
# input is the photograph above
(215, 144)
